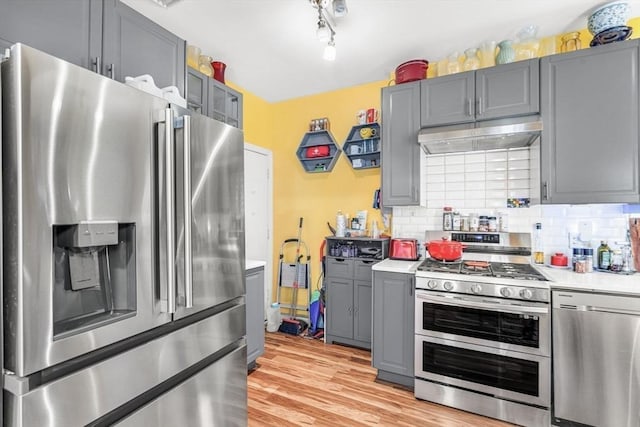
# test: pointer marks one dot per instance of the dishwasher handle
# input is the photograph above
(597, 309)
(597, 303)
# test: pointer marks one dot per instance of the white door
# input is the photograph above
(258, 207)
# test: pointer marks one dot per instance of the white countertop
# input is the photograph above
(560, 278)
(592, 282)
(397, 266)
(253, 263)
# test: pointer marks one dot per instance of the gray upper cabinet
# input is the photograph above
(103, 35)
(400, 156)
(590, 138)
(506, 90)
(133, 45)
(67, 29)
(448, 99)
(392, 348)
(197, 91)
(211, 98)
(225, 104)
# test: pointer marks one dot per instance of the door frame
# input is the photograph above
(268, 270)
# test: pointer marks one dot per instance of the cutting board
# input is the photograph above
(634, 231)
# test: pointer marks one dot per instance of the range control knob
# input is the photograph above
(448, 286)
(432, 284)
(476, 288)
(526, 293)
(505, 292)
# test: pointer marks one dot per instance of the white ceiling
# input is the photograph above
(271, 49)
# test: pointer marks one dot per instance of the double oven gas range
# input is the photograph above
(483, 330)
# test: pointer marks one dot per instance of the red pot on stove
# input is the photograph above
(444, 250)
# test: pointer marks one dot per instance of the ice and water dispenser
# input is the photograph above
(94, 275)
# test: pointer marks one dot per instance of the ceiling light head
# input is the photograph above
(330, 51)
(340, 8)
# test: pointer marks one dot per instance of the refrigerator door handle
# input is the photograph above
(188, 260)
(170, 195)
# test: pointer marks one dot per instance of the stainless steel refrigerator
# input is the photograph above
(123, 254)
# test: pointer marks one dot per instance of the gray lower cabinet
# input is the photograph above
(392, 347)
(400, 155)
(590, 140)
(255, 315)
(103, 35)
(213, 99)
(505, 90)
(348, 311)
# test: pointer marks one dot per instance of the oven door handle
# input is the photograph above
(506, 308)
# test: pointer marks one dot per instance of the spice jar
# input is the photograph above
(464, 223)
(447, 218)
(474, 222)
(456, 221)
(493, 224)
(483, 224)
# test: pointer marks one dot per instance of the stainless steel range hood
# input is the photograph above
(487, 135)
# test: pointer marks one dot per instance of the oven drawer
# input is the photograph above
(505, 324)
(506, 374)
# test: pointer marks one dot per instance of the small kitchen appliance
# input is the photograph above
(482, 329)
(403, 249)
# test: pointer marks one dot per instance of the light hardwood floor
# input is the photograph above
(304, 382)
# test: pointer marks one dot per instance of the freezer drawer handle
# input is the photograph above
(188, 259)
(170, 177)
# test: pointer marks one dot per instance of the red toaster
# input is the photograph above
(403, 249)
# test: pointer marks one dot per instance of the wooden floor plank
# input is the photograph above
(303, 382)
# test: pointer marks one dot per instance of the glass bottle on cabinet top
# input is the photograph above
(471, 60)
(362, 146)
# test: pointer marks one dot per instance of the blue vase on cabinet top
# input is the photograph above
(506, 52)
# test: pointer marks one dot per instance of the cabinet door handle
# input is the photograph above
(97, 65)
(112, 71)
(479, 106)
(470, 107)
(545, 191)
(411, 289)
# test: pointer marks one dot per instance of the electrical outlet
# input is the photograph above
(585, 230)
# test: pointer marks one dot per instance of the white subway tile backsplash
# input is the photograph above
(519, 184)
(497, 176)
(435, 178)
(497, 166)
(474, 204)
(454, 159)
(474, 176)
(437, 160)
(455, 195)
(497, 194)
(454, 169)
(474, 195)
(456, 203)
(522, 193)
(435, 186)
(431, 170)
(496, 203)
(493, 156)
(454, 186)
(518, 164)
(521, 154)
(475, 167)
(474, 158)
(496, 185)
(518, 174)
(458, 177)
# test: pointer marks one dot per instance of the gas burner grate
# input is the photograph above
(482, 268)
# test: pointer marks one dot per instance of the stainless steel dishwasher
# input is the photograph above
(596, 359)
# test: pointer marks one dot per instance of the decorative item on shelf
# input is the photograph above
(612, 35)
(471, 60)
(608, 16)
(506, 53)
(193, 56)
(570, 42)
(453, 63)
(487, 54)
(218, 70)
(441, 69)
(410, 71)
(319, 124)
(318, 151)
(204, 66)
(528, 43)
(362, 146)
(372, 115)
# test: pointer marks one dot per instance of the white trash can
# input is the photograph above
(273, 317)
